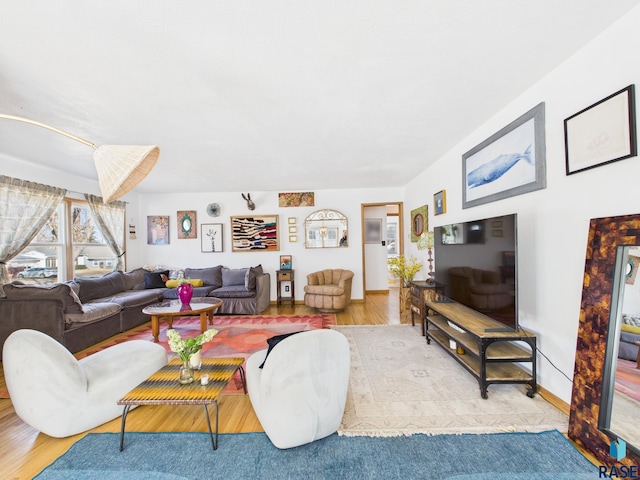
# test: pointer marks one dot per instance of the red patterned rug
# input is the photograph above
(238, 336)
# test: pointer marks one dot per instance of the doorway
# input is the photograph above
(376, 249)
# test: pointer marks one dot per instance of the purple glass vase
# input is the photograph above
(185, 292)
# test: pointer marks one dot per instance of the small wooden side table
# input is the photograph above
(285, 276)
(420, 289)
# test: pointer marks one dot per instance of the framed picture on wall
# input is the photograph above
(440, 203)
(158, 230)
(187, 227)
(419, 222)
(285, 262)
(602, 133)
(255, 233)
(510, 162)
(211, 237)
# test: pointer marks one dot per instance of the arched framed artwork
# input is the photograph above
(419, 223)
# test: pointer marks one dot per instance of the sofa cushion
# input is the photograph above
(156, 279)
(61, 291)
(631, 319)
(233, 291)
(134, 280)
(92, 312)
(324, 289)
(235, 277)
(172, 293)
(211, 276)
(134, 298)
(92, 288)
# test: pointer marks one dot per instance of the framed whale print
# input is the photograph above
(510, 162)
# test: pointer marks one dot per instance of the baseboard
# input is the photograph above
(557, 402)
(376, 292)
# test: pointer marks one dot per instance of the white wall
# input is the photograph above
(554, 222)
(187, 253)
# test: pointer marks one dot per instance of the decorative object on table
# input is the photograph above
(405, 269)
(247, 198)
(419, 222)
(602, 133)
(185, 292)
(187, 227)
(296, 199)
(186, 348)
(211, 237)
(431, 280)
(510, 162)
(120, 167)
(285, 262)
(213, 209)
(256, 233)
(372, 230)
(157, 230)
(440, 202)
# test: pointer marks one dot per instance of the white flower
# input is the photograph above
(186, 348)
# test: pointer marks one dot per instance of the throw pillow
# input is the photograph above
(156, 279)
(234, 277)
(211, 276)
(273, 341)
(196, 282)
(254, 272)
(625, 327)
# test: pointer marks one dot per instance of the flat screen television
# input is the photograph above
(477, 263)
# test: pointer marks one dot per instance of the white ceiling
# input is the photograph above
(279, 95)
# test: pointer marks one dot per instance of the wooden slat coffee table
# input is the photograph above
(202, 306)
(163, 388)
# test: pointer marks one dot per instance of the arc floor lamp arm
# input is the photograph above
(48, 127)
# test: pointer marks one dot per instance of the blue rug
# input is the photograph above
(520, 456)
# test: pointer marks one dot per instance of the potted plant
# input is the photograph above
(405, 269)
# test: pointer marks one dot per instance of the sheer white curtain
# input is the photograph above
(110, 217)
(24, 209)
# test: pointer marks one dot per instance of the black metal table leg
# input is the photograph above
(214, 443)
(242, 377)
(124, 420)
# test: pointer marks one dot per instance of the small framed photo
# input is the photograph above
(372, 230)
(602, 133)
(293, 238)
(440, 202)
(211, 237)
(293, 229)
(285, 262)
(291, 220)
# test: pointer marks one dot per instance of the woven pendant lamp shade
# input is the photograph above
(121, 167)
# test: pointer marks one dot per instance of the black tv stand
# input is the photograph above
(492, 354)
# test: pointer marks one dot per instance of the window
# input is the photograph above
(69, 245)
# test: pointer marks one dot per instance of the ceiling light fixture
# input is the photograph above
(120, 167)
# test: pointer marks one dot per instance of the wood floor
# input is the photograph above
(25, 452)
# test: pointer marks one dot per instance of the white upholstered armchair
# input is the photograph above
(300, 394)
(61, 396)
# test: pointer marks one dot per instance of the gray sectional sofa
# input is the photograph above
(85, 311)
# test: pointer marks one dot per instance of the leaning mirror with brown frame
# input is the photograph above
(605, 403)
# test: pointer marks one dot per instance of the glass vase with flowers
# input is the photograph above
(185, 348)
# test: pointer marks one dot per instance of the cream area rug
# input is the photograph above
(399, 385)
